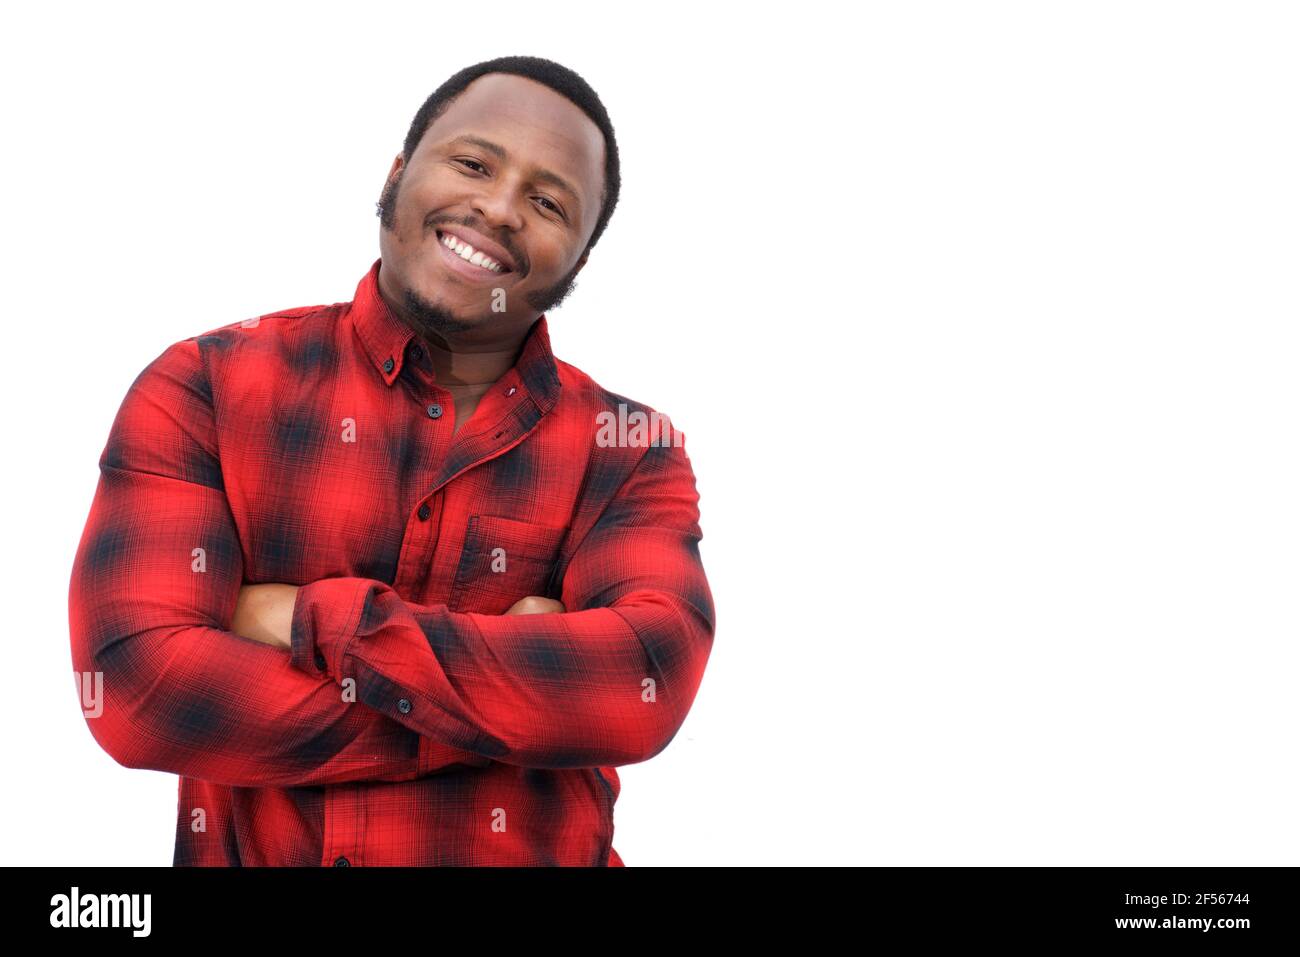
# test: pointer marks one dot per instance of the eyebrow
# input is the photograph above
(542, 175)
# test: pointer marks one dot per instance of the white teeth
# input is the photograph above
(470, 254)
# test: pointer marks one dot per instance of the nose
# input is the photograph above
(497, 205)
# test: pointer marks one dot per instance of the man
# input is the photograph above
(380, 580)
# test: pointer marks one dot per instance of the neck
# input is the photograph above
(451, 368)
(456, 364)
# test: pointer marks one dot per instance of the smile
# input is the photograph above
(466, 253)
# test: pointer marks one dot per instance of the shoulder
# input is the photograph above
(258, 346)
(267, 332)
(199, 376)
(618, 435)
(604, 406)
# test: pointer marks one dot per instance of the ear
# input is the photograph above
(581, 262)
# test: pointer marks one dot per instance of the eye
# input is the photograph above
(471, 163)
(551, 206)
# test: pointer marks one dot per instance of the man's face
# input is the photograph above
(515, 170)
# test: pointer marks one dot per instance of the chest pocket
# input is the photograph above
(503, 560)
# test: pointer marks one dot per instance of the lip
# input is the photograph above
(467, 270)
(480, 243)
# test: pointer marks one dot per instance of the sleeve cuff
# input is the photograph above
(326, 614)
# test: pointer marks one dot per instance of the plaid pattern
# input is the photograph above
(411, 723)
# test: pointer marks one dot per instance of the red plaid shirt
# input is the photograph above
(412, 722)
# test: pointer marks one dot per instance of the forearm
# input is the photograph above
(597, 687)
(607, 683)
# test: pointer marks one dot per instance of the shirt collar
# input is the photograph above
(385, 339)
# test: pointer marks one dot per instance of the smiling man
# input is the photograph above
(364, 575)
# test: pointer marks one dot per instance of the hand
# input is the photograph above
(265, 613)
(535, 605)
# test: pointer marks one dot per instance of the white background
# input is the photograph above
(980, 321)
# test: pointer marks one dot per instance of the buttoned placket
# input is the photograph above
(345, 805)
(420, 539)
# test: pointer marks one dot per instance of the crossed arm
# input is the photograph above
(196, 679)
(265, 612)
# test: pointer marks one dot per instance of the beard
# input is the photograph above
(430, 317)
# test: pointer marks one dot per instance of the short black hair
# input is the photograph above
(560, 79)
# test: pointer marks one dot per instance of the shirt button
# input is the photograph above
(320, 661)
(404, 706)
(424, 512)
(434, 411)
(416, 351)
(388, 365)
(510, 391)
(342, 862)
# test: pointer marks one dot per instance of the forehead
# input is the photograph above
(539, 129)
